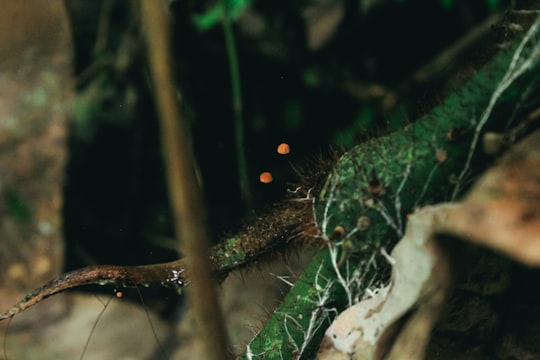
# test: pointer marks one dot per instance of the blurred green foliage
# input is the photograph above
(16, 206)
(213, 16)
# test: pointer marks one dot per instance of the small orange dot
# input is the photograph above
(265, 177)
(283, 149)
(441, 155)
(119, 294)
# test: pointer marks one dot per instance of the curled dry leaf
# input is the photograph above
(397, 320)
(502, 211)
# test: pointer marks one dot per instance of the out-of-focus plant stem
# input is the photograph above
(236, 90)
(184, 191)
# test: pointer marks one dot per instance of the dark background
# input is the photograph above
(357, 84)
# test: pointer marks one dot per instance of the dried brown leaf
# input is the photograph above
(502, 211)
(397, 321)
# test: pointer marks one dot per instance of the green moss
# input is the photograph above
(384, 180)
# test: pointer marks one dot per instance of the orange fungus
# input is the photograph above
(283, 149)
(266, 177)
(119, 294)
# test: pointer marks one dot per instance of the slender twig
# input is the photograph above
(234, 70)
(94, 326)
(273, 233)
(168, 274)
(441, 64)
(103, 27)
(186, 200)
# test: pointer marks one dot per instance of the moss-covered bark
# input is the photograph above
(371, 190)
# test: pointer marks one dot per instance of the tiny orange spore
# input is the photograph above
(265, 177)
(283, 149)
(119, 294)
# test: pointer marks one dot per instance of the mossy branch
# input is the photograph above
(365, 201)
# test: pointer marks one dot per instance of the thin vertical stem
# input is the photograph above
(236, 90)
(184, 191)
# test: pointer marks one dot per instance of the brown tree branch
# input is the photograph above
(184, 192)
